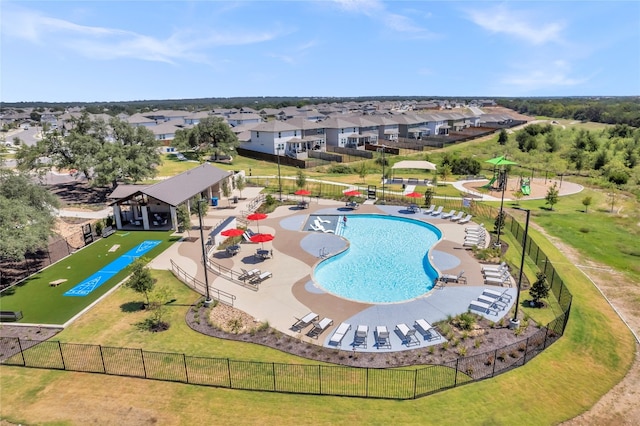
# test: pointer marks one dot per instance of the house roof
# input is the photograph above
(274, 126)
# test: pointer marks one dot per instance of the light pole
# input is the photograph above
(515, 322)
(208, 300)
(382, 150)
(500, 218)
(278, 148)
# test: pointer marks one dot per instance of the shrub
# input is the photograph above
(341, 169)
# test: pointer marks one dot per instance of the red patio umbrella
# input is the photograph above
(257, 217)
(353, 193)
(302, 192)
(233, 232)
(261, 238)
(414, 195)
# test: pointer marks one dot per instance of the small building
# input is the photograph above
(153, 207)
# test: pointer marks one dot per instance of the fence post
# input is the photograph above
(367, 383)
(24, 363)
(455, 379)
(526, 349)
(144, 367)
(273, 372)
(229, 372)
(546, 333)
(186, 370)
(320, 379)
(104, 367)
(415, 384)
(64, 367)
(495, 361)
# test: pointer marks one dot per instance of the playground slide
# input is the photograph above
(490, 184)
(526, 189)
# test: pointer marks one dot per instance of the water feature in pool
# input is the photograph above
(387, 260)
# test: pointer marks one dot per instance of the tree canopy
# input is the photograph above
(210, 135)
(106, 153)
(26, 215)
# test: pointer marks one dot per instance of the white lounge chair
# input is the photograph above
(457, 217)
(408, 334)
(450, 278)
(338, 335)
(317, 226)
(437, 211)
(246, 275)
(499, 305)
(382, 337)
(448, 215)
(500, 267)
(475, 228)
(304, 321)
(501, 280)
(495, 274)
(430, 209)
(360, 338)
(473, 243)
(321, 220)
(500, 295)
(261, 277)
(482, 307)
(319, 327)
(466, 219)
(426, 329)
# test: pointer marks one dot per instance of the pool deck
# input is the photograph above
(290, 292)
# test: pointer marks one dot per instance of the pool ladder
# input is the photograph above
(322, 253)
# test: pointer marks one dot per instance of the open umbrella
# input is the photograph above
(500, 161)
(233, 232)
(414, 195)
(257, 217)
(261, 238)
(353, 193)
(302, 192)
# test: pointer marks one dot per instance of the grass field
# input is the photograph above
(41, 303)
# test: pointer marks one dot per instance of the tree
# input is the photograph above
(445, 172)
(552, 142)
(141, 280)
(301, 179)
(518, 195)
(552, 195)
(241, 183)
(184, 220)
(498, 224)
(539, 289)
(503, 137)
(586, 202)
(362, 170)
(226, 190)
(211, 134)
(27, 217)
(158, 307)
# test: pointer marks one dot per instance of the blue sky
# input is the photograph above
(63, 51)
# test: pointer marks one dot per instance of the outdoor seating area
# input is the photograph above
(263, 254)
(303, 204)
(319, 327)
(305, 321)
(233, 250)
(474, 236)
(490, 302)
(413, 208)
(352, 205)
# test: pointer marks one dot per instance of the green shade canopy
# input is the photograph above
(500, 161)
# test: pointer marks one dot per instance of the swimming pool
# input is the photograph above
(387, 260)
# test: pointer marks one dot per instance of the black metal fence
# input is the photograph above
(301, 378)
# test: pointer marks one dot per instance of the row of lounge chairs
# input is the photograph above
(459, 217)
(254, 276)
(498, 275)
(491, 301)
(319, 325)
(318, 226)
(474, 236)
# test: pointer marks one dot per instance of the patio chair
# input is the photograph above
(426, 329)
(338, 335)
(473, 243)
(479, 228)
(495, 274)
(303, 322)
(449, 278)
(448, 215)
(499, 295)
(261, 277)
(457, 217)
(407, 334)
(501, 267)
(382, 337)
(319, 228)
(360, 338)
(465, 219)
(482, 307)
(321, 220)
(498, 304)
(430, 209)
(414, 208)
(501, 280)
(319, 327)
(248, 274)
(437, 211)
(352, 205)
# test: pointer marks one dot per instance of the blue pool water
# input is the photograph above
(105, 274)
(387, 260)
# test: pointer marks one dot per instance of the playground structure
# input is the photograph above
(498, 182)
(525, 185)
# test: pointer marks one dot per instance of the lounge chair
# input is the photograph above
(414, 208)
(382, 337)
(465, 219)
(449, 278)
(360, 338)
(338, 335)
(319, 327)
(247, 237)
(304, 321)
(495, 274)
(261, 277)
(476, 234)
(473, 243)
(248, 274)
(457, 217)
(499, 295)
(430, 209)
(321, 220)
(408, 334)
(318, 227)
(352, 205)
(499, 305)
(426, 329)
(448, 215)
(482, 307)
(501, 280)
(475, 228)
(437, 211)
(501, 267)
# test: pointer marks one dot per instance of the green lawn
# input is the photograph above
(41, 303)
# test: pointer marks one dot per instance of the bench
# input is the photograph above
(56, 283)
(10, 315)
(107, 231)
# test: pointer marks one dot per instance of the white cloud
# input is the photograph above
(519, 24)
(111, 43)
(547, 76)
